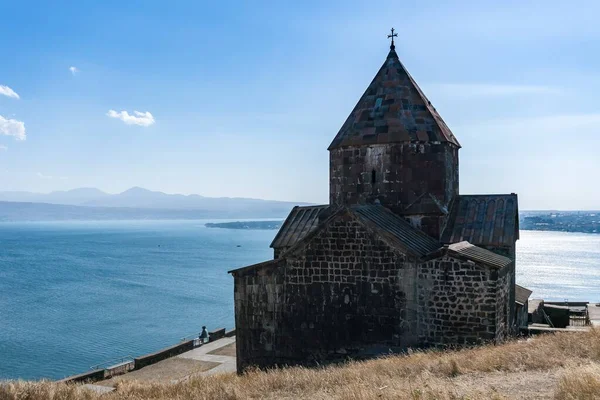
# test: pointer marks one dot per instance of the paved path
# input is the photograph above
(208, 359)
(221, 351)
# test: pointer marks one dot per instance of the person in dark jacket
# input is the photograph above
(204, 335)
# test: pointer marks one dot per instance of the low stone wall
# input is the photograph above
(230, 333)
(141, 362)
(216, 334)
(90, 376)
(119, 369)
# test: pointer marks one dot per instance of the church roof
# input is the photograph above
(393, 109)
(300, 222)
(522, 294)
(425, 204)
(398, 232)
(478, 254)
(269, 263)
(396, 229)
(483, 220)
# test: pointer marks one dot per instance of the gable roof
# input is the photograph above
(305, 221)
(396, 231)
(393, 109)
(483, 220)
(478, 254)
(399, 232)
(522, 294)
(426, 203)
(300, 222)
(250, 268)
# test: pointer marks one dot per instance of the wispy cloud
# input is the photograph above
(74, 70)
(138, 118)
(6, 91)
(3, 147)
(490, 89)
(42, 176)
(12, 127)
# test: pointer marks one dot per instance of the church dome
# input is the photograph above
(393, 109)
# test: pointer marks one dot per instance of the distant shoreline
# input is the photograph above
(267, 224)
(561, 221)
(260, 225)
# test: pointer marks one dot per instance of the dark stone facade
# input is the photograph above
(402, 172)
(398, 259)
(345, 292)
(461, 302)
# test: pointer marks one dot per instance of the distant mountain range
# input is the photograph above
(134, 203)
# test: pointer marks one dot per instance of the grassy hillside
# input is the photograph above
(560, 366)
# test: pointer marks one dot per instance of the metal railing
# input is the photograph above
(114, 361)
(577, 320)
(189, 337)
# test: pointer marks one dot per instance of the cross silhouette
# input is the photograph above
(393, 35)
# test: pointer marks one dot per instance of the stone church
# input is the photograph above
(397, 259)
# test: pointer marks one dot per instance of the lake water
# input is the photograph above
(559, 266)
(76, 294)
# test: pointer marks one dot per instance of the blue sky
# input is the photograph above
(244, 97)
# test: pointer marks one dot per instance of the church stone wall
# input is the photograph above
(459, 301)
(509, 252)
(504, 320)
(258, 296)
(346, 294)
(395, 174)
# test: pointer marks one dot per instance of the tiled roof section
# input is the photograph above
(484, 220)
(393, 109)
(479, 254)
(300, 222)
(268, 263)
(522, 294)
(425, 204)
(396, 229)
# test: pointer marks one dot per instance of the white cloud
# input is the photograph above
(138, 118)
(3, 147)
(42, 176)
(12, 127)
(6, 91)
(74, 70)
(490, 89)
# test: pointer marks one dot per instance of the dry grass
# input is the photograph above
(580, 384)
(491, 372)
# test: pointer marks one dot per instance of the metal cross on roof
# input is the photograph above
(393, 35)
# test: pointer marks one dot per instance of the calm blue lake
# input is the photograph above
(75, 294)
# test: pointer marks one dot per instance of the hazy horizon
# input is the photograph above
(223, 197)
(242, 100)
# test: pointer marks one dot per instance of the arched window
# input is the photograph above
(373, 177)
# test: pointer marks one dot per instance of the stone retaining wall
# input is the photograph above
(160, 355)
(90, 376)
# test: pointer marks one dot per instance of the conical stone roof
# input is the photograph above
(393, 109)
